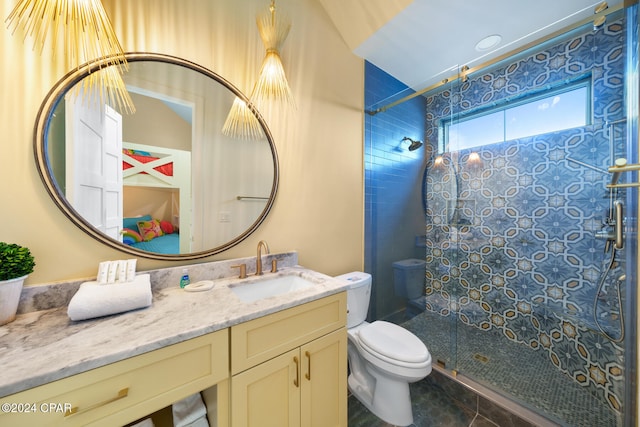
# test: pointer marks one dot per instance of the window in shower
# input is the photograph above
(553, 109)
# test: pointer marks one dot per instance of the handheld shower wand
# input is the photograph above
(613, 233)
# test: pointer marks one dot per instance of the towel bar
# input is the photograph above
(251, 198)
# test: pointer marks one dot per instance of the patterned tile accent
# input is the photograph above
(522, 259)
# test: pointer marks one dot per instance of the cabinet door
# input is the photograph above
(268, 395)
(261, 339)
(324, 381)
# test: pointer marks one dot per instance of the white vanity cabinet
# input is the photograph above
(124, 391)
(290, 368)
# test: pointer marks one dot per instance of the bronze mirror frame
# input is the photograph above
(40, 146)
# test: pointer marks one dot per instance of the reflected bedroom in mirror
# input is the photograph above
(164, 181)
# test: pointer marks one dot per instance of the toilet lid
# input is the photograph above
(394, 342)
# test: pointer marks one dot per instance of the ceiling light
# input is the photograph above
(488, 42)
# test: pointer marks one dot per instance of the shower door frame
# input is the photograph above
(632, 84)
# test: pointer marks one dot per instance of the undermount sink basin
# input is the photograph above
(259, 289)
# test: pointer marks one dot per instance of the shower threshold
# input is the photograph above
(509, 405)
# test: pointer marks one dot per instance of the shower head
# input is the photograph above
(414, 143)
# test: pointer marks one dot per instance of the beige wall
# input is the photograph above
(319, 207)
(168, 130)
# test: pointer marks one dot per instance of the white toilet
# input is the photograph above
(409, 284)
(383, 357)
(408, 278)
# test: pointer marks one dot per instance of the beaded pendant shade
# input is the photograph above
(241, 122)
(272, 84)
(88, 38)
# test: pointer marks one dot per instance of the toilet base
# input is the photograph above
(388, 400)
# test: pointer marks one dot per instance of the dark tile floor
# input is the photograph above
(431, 407)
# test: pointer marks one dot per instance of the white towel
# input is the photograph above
(96, 300)
(144, 423)
(190, 412)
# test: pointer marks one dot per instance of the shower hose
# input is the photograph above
(601, 281)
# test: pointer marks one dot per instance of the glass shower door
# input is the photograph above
(520, 295)
(442, 214)
(538, 296)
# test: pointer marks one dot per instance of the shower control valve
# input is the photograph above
(612, 229)
(607, 234)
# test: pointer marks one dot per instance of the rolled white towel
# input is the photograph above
(190, 412)
(148, 422)
(96, 300)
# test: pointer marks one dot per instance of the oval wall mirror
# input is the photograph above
(163, 182)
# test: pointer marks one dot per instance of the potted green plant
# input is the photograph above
(16, 263)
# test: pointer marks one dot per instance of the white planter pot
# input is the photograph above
(10, 291)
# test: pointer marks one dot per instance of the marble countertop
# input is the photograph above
(43, 346)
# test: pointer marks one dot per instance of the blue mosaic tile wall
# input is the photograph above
(524, 260)
(394, 214)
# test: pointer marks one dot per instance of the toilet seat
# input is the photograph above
(393, 343)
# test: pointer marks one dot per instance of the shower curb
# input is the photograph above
(504, 403)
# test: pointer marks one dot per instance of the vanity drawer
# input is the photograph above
(262, 339)
(124, 391)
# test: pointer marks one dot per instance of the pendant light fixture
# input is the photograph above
(88, 39)
(241, 122)
(272, 84)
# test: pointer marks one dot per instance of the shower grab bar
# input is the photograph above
(618, 169)
(619, 242)
(626, 168)
(629, 185)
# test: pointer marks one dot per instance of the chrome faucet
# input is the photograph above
(261, 244)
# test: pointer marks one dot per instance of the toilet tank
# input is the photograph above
(408, 278)
(358, 294)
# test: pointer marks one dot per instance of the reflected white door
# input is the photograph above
(94, 163)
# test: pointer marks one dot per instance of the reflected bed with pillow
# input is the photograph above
(149, 234)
